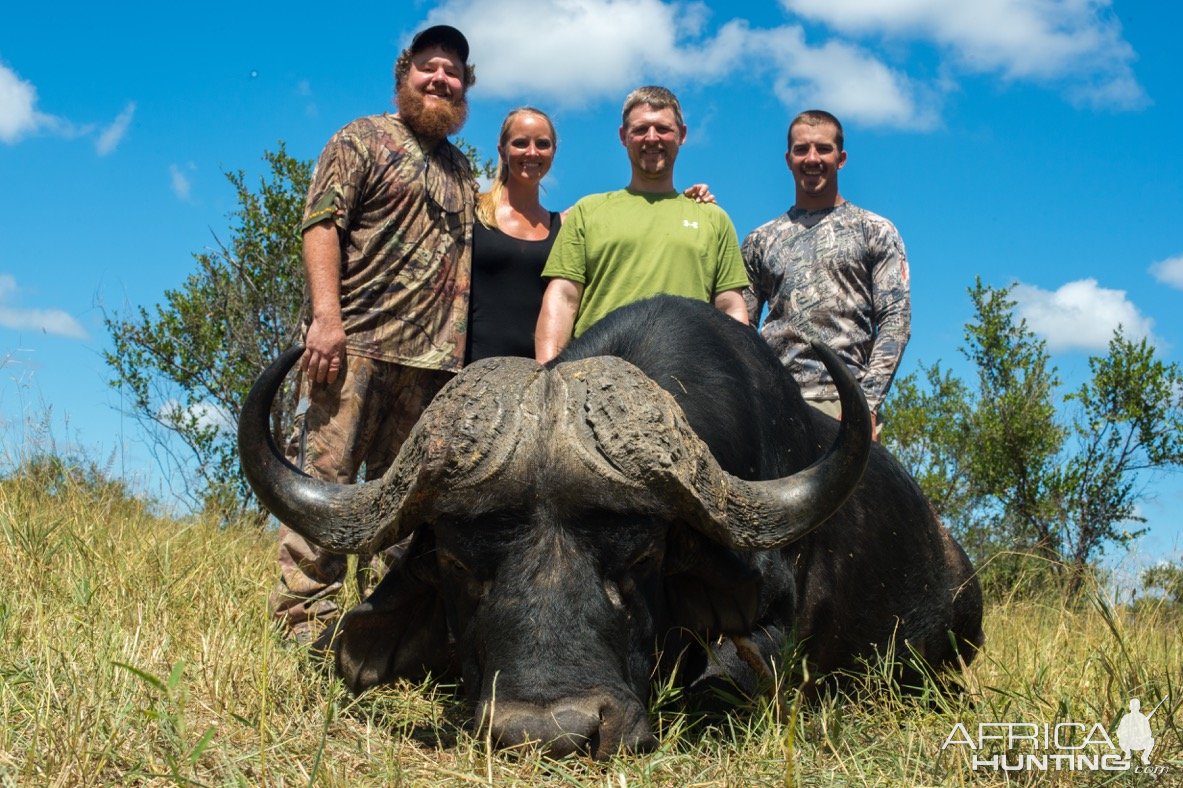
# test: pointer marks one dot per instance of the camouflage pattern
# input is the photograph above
(839, 275)
(404, 216)
(359, 421)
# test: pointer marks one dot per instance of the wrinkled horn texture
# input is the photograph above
(467, 433)
(466, 437)
(626, 421)
(623, 418)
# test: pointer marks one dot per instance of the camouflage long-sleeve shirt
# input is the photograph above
(839, 275)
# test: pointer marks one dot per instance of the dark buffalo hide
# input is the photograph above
(578, 528)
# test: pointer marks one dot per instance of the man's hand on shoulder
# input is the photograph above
(700, 192)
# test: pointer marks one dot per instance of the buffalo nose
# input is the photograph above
(584, 726)
(558, 732)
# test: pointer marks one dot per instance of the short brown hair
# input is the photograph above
(817, 117)
(656, 97)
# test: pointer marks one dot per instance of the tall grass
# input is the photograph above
(136, 649)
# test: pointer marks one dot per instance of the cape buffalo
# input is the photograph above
(659, 484)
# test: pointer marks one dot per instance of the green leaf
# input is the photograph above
(202, 743)
(147, 678)
(174, 677)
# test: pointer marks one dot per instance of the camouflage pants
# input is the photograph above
(358, 422)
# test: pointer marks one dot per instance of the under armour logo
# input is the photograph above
(688, 223)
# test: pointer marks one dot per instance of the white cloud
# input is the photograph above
(18, 107)
(848, 81)
(17, 99)
(20, 118)
(304, 91)
(111, 136)
(1169, 271)
(1080, 315)
(578, 51)
(204, 414)
(49, 321)
(180, 181)
(573, 51)
(1077, 43)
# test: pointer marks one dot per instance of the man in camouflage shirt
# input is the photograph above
(387, 252)
(829, 270)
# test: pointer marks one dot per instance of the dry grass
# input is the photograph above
(135, 649)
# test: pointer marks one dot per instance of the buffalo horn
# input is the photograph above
(643, 440)
(464, 434)
(769, 514)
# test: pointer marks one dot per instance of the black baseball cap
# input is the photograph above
(442, 35)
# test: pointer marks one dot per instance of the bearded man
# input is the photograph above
(387, 249)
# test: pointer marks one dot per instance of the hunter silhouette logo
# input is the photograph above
(1133, 732)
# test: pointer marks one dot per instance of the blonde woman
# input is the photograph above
(511, 240)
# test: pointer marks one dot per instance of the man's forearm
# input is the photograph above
(322, 266)
(556, 320)
(552, 333)
(731, 303)
(325, 340)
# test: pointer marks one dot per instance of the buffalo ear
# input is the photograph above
(400, 630)
(710, 590)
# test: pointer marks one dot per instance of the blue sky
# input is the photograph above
(1028, 142)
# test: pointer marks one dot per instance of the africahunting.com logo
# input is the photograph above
(1062, 746)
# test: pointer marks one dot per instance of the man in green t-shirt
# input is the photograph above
(644, 240)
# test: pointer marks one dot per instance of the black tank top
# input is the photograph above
(507, 291)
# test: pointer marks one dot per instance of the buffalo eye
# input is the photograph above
(452, 565)
(646, 563)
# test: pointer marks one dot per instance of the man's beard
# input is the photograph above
(432, 122)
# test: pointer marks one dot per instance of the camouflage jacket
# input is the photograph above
(404, 216)
(839, 275)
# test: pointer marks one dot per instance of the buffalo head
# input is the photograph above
(559, 517)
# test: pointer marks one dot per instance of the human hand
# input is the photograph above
(324, 351)
(700, 192)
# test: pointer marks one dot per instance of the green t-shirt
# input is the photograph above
(623, 246)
